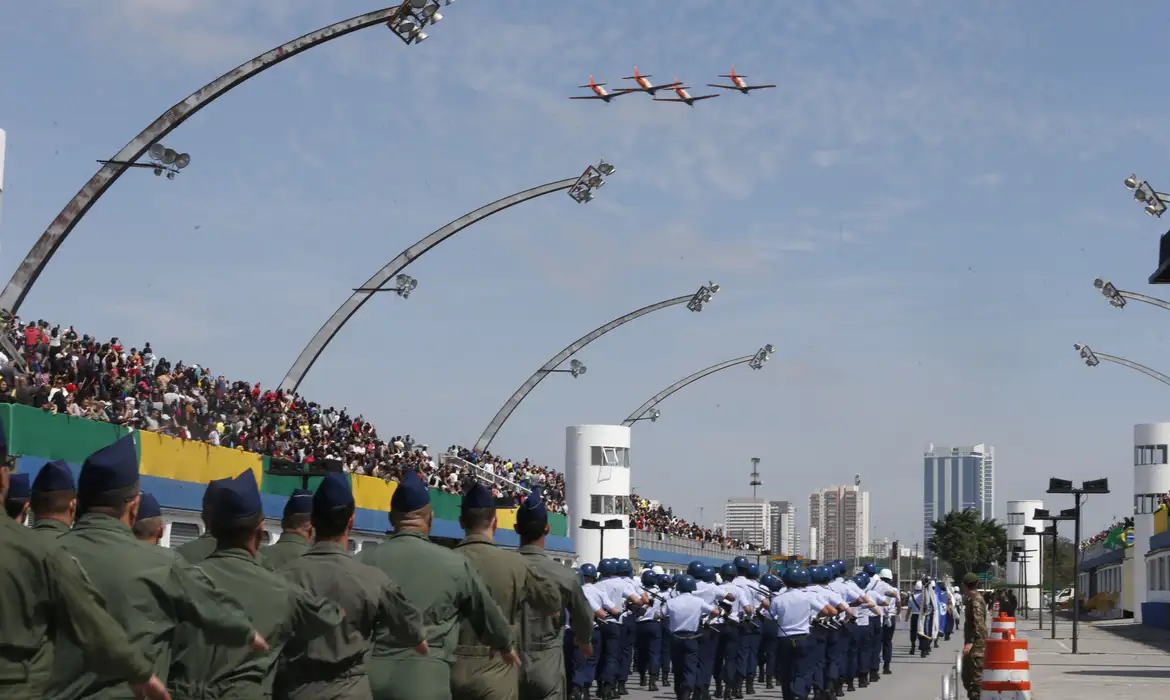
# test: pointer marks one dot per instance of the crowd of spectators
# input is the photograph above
(1104, 534)
(660, 519)
(514, 479)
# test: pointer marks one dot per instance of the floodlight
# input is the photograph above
(169, 156)
(1060, 486)
(420, 36)
(1068, 513)
(1100, 486)
(761, 356)
(1087, 355)
(577, 368)
(157, 150)
(1131, 183)
(703, 296)
(1110, 292)
(654, 413)
(605, 168)
(769, 349)
(182, 161)
(1040, 514)
(1152, 210)
(431, 12)
(418, 4)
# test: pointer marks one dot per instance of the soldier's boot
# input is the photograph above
(665, 677)
(838, 690)
(653, 683)
(586, 693)
(621, 689)
(936, 644)
(849, 685)
(750, 684)
(924, 652)
(737, 690)
(874, 677)
(642, 679)
(886, 670)
(768, 684)
(862, 680)
(577, 693)
(726, 692)
(718, 688)
(760, 678)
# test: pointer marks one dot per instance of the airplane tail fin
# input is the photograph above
(636, 75)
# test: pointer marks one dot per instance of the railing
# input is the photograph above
(683, 545)
(952, 680)
(483, 474)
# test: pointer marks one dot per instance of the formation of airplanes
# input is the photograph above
(681, 91)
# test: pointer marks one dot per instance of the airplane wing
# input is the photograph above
(587, 97)
(759, 87)
(670, 99)
(702, 97)
(725, 87)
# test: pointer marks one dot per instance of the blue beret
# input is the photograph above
(148, 507)
(54, 476)
(532, 510)
(18, 489)
(300, 502)
(410, 495)
(237, 498)
(209, 493)
(112, 467)
(478, 496)
(334, 492)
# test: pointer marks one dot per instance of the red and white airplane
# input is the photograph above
(738, 83)
(600, 93)
(644, 84)
(683, 95)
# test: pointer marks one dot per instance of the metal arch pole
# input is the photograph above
(665, 393)
(489, 433)
(1133, 365)
(38, 257)
(1145, 299)
(316, 346)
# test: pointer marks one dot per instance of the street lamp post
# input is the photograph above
(333, 325)
(1022, 557)
(652, 415)
(755, 361)
(1117, 297)
(403, 286)
(162, 160)
(1041, 534)
(1058, 486)
(695, 302)
(1093, 358)
(1155, 201)
(611, 524)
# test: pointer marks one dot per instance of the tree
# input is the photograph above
(1064, 563)
(969, 543)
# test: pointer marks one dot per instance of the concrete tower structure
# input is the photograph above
(597, 489)
(1151, 483)
(1027, 574)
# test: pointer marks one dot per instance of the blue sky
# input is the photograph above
(914, 218)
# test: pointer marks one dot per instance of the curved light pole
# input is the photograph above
(1092, 359)
(1144, 194)
(1117, 297)
(580, 188)
(755, 361)
(694, 303)
(405, 21)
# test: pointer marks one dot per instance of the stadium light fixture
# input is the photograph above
(403, 285)
(1087, 355)
(703, 296)
(651, 415)
(761, 356)
(576, 368)
(1110, 292)
(591, 180)
(163, 160)
(1065, 486)
(1155, 201)
(408, 25)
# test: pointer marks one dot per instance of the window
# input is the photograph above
(1146, 503)
(1015, 519)
(609, 505)
(182, 533)
(1149, 454)
(609, 456)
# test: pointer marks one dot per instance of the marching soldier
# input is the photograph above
(448, 591)
(974, 637)
(16, 502)
(279, 609)
(296, 531)
(647, 659)
(515, 585)
(202, 546)
(146, 589)
(684, 614)
(148, 524)
(889, 621)
(666, 584)
(44, 600)
(583, 669)
(914, 610)
(794, 609)
(333, 665)
(543, 653)
(54, 500)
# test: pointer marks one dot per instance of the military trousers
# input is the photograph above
(831, 671)
(793, 665)
(611, 652)
(485, 677)
(629, 640)
(421, 678)
(818, 657)
(708, 644)
(888, 632)
(665, 650)
(972, 674)
(727, 653)
(581, 669)
(858, 636)
(876, 625)
(749, 648)
(767, 654)
(684, 652)
(647, 656)
(543, 671)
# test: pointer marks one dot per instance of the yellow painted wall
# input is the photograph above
(373, 493)
(188, 460)
(1161, 521)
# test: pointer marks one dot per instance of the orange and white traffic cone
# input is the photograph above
(1003, 627)
(1006, 671)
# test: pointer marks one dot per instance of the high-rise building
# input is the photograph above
(955, 479)
(749, 520)
(838, 520)
(782, 523)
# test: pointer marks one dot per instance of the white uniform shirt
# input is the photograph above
(916, 603)
(615, 588)
(714, 595)
(794, 610)
(654, 610)
(852, 592)
(882, 590)
(685, 611)
(747, 591)
(598, 600)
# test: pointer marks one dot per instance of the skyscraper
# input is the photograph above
(838, 519)
(782, 523)
(955, 479)
(749, 520)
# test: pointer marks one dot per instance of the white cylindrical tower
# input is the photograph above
(597, 486)
(1151, 481)
(1026, 574)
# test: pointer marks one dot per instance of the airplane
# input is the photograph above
(683, 95)
(737, 83)
(644, 84)
(601, 94)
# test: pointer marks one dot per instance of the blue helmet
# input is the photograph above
(839, 568)
(870, 569)
(666, 581)
(626, 567)
(685, 584)
(707, 575)
(819, 574)
(861, 580)
(753, 571)
(695, 568)
(649, 578)
(588, 571)
(607, 567)
(741, 563)
(800, 578)
(772, 581)
(727, 571)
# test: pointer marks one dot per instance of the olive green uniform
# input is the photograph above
(333, 665)
(516, 586)
(279, 610)
(288, 547)
(149, 590)
(49, 528)
(197, 549)
(44, 599)
(975, 634)
(542, 650)
(444, 586)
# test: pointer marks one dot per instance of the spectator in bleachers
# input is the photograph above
(660, 519)
(516, 479)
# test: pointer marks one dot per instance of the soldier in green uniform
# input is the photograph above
(54, 500)
(16, 502)
(148, 590)
(44, 600)
(279, 608)
(202, 546)
(974, 637)
(148, 523)
(445, 587)
(333, 665)
(515, 586)
(296, 531)
(542, 644)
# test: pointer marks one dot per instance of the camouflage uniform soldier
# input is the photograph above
(974, 637)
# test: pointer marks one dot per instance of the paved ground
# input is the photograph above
(913, 678)
(1117, 660)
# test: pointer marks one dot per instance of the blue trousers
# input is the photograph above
(818, 657)
(835, 641)
(684, 652)
(629, 639)
(749, 650)
(767, 653)
(727, 653)
(581, 669)
(857, 636)
(611, 652)
(666, 652)
(793, 656)
(888, 641)
(708, 643)
(875, 645)
(649, 647)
